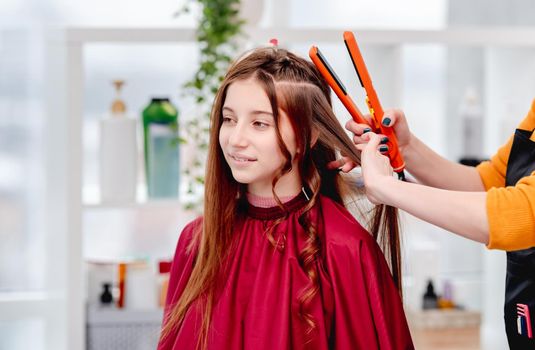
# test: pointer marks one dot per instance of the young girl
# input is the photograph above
(277, 262)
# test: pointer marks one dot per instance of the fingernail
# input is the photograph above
(366, 130)
(383, 149)
(384, 140)
(387, 121)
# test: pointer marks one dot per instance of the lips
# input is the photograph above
(241, 158)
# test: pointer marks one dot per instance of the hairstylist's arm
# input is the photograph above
(463, 213)
(423, 163)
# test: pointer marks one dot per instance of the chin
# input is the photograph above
(241, 178)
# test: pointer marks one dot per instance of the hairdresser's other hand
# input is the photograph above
(345, 164)
(376, 169)
(392, 118)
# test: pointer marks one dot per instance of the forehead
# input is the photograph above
(247, 93)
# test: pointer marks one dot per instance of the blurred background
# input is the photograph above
(75, 266)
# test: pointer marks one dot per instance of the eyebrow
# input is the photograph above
(255, 112)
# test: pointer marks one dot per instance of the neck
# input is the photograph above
(288, 185)
(280, 191)
(266, 202)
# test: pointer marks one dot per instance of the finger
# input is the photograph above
(373, 143)
(362, 139)
(366, 137)
(391, 116)
(335, 164)
(383, 149)
(384, 139)
(357, 129)
(368, 118)
(341, 163)
(332, 165)
(348, 167)
(359, 139)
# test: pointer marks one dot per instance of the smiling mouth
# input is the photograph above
(242, 159)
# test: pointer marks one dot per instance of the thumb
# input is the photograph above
(368, 119)
(373, 143)
(391, 116)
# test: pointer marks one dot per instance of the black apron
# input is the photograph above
(520, 281)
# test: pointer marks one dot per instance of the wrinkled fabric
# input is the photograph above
(257, 306)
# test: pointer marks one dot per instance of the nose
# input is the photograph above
(238, 136)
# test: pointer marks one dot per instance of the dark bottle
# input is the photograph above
(106, 298)
(430, 299)
(160, 131)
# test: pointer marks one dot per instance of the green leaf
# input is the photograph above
(217, 34)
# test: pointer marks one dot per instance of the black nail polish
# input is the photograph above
(366, 130)
(383, 149)
(384, 140)
(387, 121)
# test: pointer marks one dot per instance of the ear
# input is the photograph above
(315, 137)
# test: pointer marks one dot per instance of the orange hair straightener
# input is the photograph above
(374, 106)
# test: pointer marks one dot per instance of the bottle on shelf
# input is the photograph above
(430, 298)
(106, 298)
(118, 153)
(140, 286)
(121, 282)
(161, 142)
(471, 114)
(446, 299)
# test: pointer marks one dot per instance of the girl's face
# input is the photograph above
(249, 142)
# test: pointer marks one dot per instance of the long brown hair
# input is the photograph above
(293, 85)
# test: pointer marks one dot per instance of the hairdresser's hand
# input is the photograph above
(344, 164)
(376, 169)
(394, 118)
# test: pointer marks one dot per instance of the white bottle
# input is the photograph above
(141, 287)
(118, 154)
(472, 122)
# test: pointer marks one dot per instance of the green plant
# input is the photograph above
(218, 31)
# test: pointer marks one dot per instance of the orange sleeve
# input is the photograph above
(492, 172)
(510, 210)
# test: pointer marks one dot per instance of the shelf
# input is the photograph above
(493, 36)
(22, 297)
(151, 204)
(91, 200)
(26, 304)
(444, 319)
(123, 329)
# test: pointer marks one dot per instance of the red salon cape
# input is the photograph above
(357, 306)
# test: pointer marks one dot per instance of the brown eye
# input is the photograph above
(261, 125)
(227, 119)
